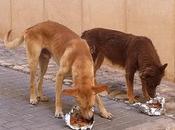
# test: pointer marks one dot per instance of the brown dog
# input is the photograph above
(50, 39)
(129, 51)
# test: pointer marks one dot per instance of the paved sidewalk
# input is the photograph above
(17, 114)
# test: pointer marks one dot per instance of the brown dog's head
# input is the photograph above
(85, 97)
(151, 77)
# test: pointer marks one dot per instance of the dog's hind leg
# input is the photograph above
(33, 53)
(43, 64)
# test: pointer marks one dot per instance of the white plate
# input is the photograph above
(144, 107)
(67, 120)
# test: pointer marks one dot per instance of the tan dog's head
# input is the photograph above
(85, 97)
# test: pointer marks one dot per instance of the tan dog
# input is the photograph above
(50, 39)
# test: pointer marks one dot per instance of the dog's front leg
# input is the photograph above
(58, 102)
(97, 63)
(59, 80)
(104, 113)
(145, 93)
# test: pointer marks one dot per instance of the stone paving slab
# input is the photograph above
(160, 124)
(17, 114)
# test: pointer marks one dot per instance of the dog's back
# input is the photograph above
(119, 47)
(50, 32)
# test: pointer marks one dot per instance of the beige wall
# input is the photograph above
(25, 13)
(5, 16)
(67, 12)
(152, 18)
(104, 13)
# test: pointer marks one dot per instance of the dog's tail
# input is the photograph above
(14, 43)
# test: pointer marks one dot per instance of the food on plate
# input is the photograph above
(154, 105)
(75, 120)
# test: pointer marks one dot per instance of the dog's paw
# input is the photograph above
(132, 101)
(33, 101)
(106, 115)
(43, 98)
(147, 98)
(59, 114)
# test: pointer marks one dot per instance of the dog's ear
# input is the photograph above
(100, 88)
(70, 92)
(162, 68)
